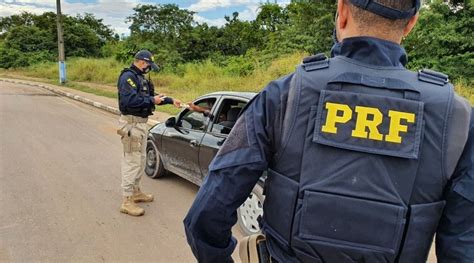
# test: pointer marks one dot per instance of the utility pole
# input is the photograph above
(61, 57)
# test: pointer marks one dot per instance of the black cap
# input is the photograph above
(146, 55)
(386, 11)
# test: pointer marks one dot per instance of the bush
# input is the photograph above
(12, 58)
(239, 66)
(442, 40)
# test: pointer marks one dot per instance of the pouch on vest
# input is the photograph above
(358, 170)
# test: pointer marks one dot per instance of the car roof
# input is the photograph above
(247, 95)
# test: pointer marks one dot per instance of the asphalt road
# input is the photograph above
(60, 188)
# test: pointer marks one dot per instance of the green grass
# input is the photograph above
(465, 89)
(195, 80)
(99, 76)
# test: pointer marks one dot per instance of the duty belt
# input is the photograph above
(134, 119)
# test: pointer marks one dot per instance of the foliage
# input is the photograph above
(239, 49)
(442, 40)
(28, 38)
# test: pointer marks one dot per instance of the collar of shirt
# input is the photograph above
(373, 51)
(136, 70)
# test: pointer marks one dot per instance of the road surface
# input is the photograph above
(60, 187)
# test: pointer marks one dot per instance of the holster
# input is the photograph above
(131, 135)
(253, 249)
(131, 144)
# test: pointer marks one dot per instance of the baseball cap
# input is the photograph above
(146, 55)
(385, 11)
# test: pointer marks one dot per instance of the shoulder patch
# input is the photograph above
(130, 81)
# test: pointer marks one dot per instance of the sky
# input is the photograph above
(114, 12)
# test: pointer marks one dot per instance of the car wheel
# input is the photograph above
(153, 165)
(250, 211)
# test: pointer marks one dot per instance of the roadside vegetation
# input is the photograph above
(195, 79)
(239, 56)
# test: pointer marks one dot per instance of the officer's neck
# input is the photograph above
(370, 50)
(387, 36)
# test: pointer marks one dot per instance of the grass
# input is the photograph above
(463, 88)
(99, 76)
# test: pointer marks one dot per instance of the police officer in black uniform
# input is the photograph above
(361, 155)
(137, 101)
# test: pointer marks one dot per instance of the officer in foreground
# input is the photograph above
(137, 101)
(360, 155)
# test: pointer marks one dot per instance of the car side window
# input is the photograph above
(197, 120)
(227, 116)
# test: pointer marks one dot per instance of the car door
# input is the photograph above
(180, 144)
(227, 112)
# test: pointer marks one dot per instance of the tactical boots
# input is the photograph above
(129, 207)
(139, 196)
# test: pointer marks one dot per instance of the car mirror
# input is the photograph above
(171, 122)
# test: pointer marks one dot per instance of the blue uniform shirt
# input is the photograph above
(136, 94)
(134, 99)
(242, 160)
(455, 236)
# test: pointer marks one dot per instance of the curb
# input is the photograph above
(75, 97)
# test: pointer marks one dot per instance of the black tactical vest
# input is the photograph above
(357, 142)
(143, 89)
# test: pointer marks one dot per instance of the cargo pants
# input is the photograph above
(133, 132)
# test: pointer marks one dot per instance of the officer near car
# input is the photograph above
(137, 101)
(361, 155)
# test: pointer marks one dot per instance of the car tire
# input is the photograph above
(153, 165)
(249, 212)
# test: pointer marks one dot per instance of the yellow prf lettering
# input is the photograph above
(396, 127)
(363, 123)
(333, 117)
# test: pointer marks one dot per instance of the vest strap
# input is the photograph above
(313, 58)
(315, 62)
(433, 77)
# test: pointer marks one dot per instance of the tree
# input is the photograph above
(160, 22)
(272, 17)
(28, 39)
(32, 38)
(442, 39)
(239, 36)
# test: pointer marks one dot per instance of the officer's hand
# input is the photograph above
(177, 103)
(158, 99)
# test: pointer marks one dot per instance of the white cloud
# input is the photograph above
(207, 5)
(7, 9)
(250, 13)
(115, 12)
(211, 22)
(51, 3)
(112, 12)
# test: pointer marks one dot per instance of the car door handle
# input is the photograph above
(193, 143)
